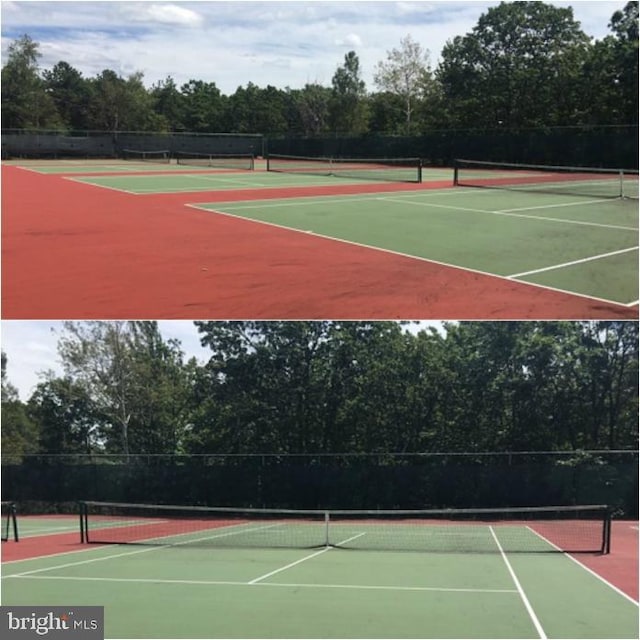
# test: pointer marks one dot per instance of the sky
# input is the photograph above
(31, 348)
(284, 44)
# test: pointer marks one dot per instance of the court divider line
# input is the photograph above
(406, 255)
(523, 595)
(364, 587)
(293, 564)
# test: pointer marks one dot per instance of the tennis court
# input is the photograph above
(246, 577)
(378, 240)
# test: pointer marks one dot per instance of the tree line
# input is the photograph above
(332, 387)
(524, 64)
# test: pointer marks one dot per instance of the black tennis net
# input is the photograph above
(581, 181)
(387, 169)
(216, 160)
(160, 157)
(9, 521)
(527, 530)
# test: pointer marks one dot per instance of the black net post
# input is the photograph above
(84, 532)
(10, 524)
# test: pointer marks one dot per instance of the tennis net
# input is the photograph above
(216, 160)
(388, 169)
(9, 521)
(161, 157)
(527, 530)
(581, 181)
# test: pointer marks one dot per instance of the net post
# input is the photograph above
(14, 520)
(606, 531)
(621, 176)
(420, 170)
(84, 538)
(326, 528)
(455, 173)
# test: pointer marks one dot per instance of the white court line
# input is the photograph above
(32, 533)
(591, 571)
(570, 264)
(217, 178)
(515, 215)
(293, 564)
(138, 551)
(555, 206)
(410, 256)
(87, 182)
(523, 596)
(364, 587)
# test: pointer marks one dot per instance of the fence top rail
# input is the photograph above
(395, 454)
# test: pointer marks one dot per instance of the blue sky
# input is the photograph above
(285, 44)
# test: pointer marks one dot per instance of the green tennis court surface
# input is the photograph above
(190, 592)
(577, 244)
(108, 167)
(32, 526)
(220, 179)
(564, 229)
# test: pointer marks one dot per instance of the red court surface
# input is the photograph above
(72, 250)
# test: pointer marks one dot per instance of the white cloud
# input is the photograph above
(165, 13)
(352, 40)
(233, 43)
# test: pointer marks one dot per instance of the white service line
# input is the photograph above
(570, 264)
(296, 585)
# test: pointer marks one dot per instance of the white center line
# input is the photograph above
(293, 564)
(523, 596)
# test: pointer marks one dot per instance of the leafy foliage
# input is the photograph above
(525, 64)
(337, 387)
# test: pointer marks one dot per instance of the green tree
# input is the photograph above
(520, 66)
(121, 104)
(624, 25)
(68, 418)
(168, 103)
(311, 104)
(97, 357)
(136, 381)
(70, 93)
(20, 434)
(348, 108)
(161, 411)
(405, 73)
(25, 102)
(203, 106)
(255, 110)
